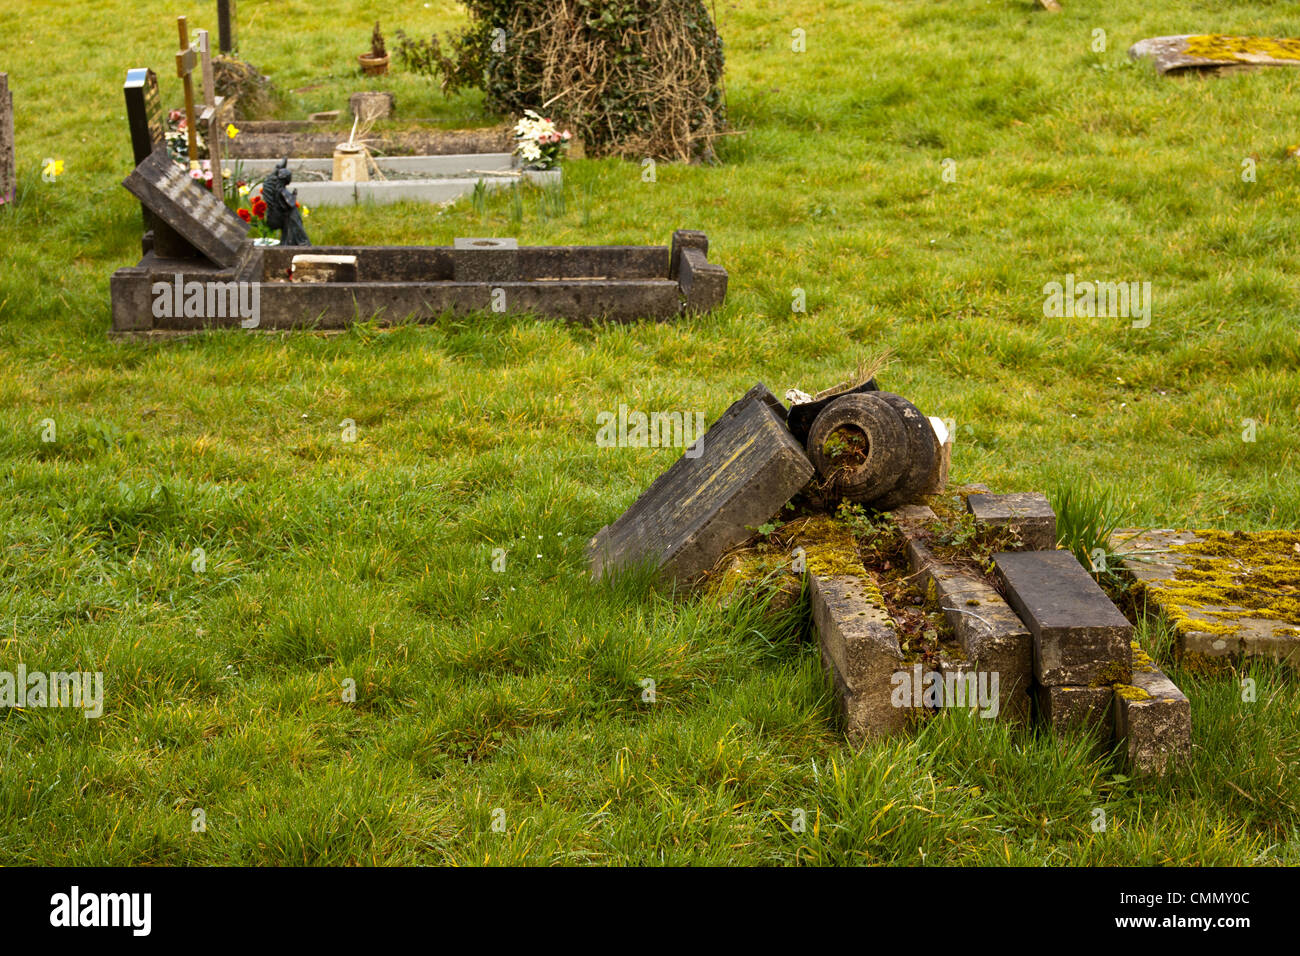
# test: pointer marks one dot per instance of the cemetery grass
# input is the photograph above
(325, 561)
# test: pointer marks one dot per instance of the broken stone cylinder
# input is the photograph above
(875, 448)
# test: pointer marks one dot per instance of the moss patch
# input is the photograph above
(1129, 692)
(1217, 47)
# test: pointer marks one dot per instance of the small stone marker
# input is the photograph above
(736, 476)
(1204, 583)
(1051, 6)
(1153, 719)
(370, 105)
(8, 169)
(1080, 637)
(1029, 512)
(200, 217)
(226, 40)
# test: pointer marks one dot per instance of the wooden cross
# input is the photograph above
(185, 61)
(211, 117)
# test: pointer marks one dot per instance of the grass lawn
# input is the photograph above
(326, 562)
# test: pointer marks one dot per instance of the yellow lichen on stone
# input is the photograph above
(1112, 673)
(830, 549)
(1142, 661)
(1215, 46)
(1129, 692)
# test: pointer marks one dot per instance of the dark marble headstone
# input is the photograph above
(737, 476)
(173, 196)
(226, 25)
(8, 177)
(144, 117)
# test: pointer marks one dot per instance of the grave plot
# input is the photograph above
(1230, 595)
(214, 276)
(1214, 53)
(916, 608)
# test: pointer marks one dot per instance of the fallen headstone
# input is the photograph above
(1080, 637)
(1029, 513)
(1227, 594)
(1216, 53)
(370, 105)
(735, 477)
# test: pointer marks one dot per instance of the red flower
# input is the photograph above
(245, 215)
(259, 207)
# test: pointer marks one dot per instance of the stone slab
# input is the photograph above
(860, 650)
(990, 635)
(1028, 512)
(1153, 720)
(8, 168)
(1189, 52)
(1069, 707)
(738, 475)
(204, 221)
(324, 268)
(370, 105)
(1080, 637)
(1220, 620)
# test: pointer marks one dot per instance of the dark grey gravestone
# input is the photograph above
(8, 171)
(144, 116)
(226, 25)
(748, 466)
(1029, 512)
(1080, 637)
(201, 218)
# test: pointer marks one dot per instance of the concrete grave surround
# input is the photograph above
(8, 168)
(748, 466)
(1153, 719)
(1029, 512)
(393, 283)
(1228, 630)
(1189, 52)
(1080, 637)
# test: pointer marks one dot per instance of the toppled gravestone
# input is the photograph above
(736, 476)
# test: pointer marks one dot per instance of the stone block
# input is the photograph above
(1153, 720)
(324, 268)
(735, 477)
(1030, 513)
(1080, 637)
(485, 260)
(368, 106)
(1065, 707)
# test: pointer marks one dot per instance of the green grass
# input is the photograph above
(370, 561)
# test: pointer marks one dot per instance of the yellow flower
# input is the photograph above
(231, 130)
(53, 168)
(243, 190)
(305, 212)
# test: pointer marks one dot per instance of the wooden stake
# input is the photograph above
(185, 60)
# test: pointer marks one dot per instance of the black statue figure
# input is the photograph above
(282, 206)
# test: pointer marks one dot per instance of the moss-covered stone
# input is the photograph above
(1214, 46)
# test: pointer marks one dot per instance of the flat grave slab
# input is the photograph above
(1228, 594)
(1029, 512)
(1080, 637)
(739, 474)
(1209, 52)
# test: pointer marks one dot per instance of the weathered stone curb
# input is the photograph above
(1065, 708)
(989, 633)
(1153, 719)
